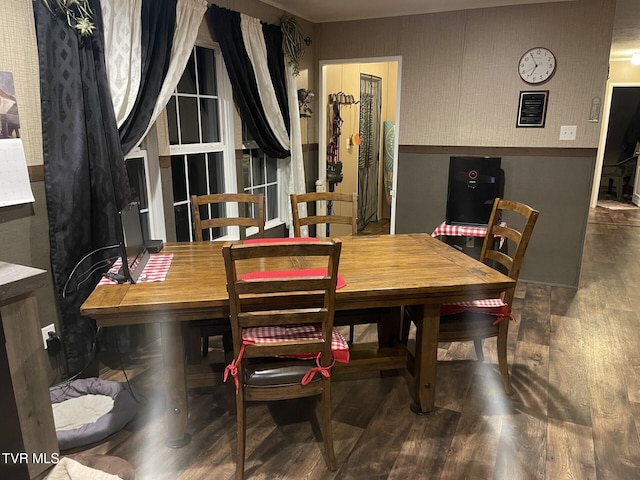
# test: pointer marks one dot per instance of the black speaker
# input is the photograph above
(474, 183)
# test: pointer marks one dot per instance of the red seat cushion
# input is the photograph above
(339, 346)
(490, 306)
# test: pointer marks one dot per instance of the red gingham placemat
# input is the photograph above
(154, 271)
(275, 334)
(309, 272)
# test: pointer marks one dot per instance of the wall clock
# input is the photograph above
(537, 65)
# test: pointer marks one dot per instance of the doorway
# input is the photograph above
(616, 181)
(360, 148)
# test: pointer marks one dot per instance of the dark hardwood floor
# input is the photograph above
(575, 414)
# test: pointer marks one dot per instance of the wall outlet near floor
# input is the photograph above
(568, 132)
(45, 333)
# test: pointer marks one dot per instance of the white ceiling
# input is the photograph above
(626, 33)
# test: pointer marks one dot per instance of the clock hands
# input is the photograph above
(534, 63)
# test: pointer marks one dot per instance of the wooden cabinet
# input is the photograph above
(28, 443)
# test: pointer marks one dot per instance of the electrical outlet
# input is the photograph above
(568, 132)
(45, 333)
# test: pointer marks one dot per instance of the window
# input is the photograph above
(260, 175)
(200, 120)
(200, 117)
(144, 181)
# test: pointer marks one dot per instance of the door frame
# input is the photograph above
(604, 130)
(322, 121)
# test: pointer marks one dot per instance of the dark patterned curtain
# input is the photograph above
(85, 178)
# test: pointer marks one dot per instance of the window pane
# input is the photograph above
(172, 121)
(210, 124)
(258, 169)
(206, 71)
(182, 223)
(272, 170)
(178, 178)
(258, 191)
(187, 83)
(144, 219)
(197, 174)
(246, 135)
(246, 169)
(137, 181)
(272, 202)
(216, 172)
(189, 120)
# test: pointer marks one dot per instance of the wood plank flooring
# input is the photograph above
(575, 413)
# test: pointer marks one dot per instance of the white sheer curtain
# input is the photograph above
(292, 168)
(296, 177)
(257, 52)
(123, 52)
(122, 32)
(189, 14)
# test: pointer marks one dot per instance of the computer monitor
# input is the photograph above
(133, 250)
(474, 184)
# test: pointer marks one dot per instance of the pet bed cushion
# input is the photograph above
(103, 406)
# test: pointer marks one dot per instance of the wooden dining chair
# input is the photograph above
(337, 200)
(482, 319)
(343, 218)
(209, 212)
(270, 313)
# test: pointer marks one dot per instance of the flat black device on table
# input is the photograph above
(133, 250)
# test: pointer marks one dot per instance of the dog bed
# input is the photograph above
(88, 410)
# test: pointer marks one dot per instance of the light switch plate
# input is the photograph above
(568, 132)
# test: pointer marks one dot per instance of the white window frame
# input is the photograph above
(277, 221)
(225, 146)
(155, 207)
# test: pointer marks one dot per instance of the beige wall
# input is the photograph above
(623, 72)
(459, 77)
(19, 55)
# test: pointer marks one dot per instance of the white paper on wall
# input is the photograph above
(14, 176)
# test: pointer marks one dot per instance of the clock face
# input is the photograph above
(537, 65)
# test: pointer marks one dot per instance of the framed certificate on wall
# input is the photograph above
(532, 109)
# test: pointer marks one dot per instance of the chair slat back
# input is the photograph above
(511, 261)
(276, 301)
(300, 198)
(244, 219)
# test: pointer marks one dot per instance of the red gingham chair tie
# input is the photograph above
(324, 371)
(232, 368)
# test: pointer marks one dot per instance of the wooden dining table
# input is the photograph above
(380, 271)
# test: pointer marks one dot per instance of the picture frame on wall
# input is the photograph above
(532, 109)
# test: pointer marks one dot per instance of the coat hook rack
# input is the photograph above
(342, 99)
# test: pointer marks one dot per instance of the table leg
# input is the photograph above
(388, 326)
(426, 357)
(175, 384)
